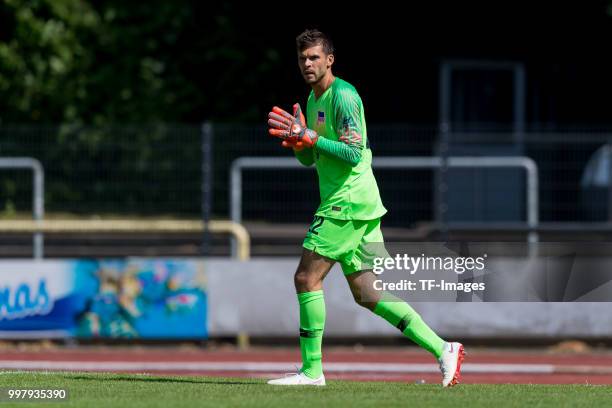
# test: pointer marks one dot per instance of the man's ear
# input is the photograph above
(330, 60)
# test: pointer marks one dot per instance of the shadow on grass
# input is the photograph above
(154, 379)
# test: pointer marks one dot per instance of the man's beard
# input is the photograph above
(311, 79)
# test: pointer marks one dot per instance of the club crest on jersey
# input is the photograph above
(320, 118)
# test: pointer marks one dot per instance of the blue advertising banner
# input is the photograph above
(41, 299)
(133, 298)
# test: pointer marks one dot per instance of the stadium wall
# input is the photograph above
(221, 297)
(257, 297)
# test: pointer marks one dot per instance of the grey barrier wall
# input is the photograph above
(257, 297)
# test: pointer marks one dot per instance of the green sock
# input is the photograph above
(401, 315)
(312, 322)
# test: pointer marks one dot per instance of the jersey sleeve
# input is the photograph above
(347, 125)
(305, 156)
(348, 112)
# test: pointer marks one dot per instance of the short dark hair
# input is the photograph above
(313, 37)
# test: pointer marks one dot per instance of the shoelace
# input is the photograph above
(292, 374)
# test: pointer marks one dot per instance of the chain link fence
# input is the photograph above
(293, 196)
(116, 170)
(156, 170)
(573, 175)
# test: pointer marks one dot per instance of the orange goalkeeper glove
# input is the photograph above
(291, 128)
(289, 144)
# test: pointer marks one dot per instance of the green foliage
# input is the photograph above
(71, 70)
(111, 61)
(68, 61)
(44, 59)
(135, 79)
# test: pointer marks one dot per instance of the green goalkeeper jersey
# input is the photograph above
(342, 155)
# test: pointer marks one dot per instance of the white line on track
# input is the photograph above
(281, 367)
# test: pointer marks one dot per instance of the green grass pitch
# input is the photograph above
(137, 390)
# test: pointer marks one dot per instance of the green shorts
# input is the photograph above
(352, 243)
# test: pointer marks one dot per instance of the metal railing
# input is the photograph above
(38, 197)
(109, 171)
(405, 162)
(238, 232)
(38, 226)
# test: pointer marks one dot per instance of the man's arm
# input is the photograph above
(349, 146)
(348, 153)
(304, 156)
(292, 129)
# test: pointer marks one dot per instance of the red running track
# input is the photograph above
(557, 368)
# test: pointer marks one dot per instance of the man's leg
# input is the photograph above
(394, 310)
(401, 315)
(309, 287)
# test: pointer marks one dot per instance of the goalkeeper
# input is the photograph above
(333, 137)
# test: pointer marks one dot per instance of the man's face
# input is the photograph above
(314, 63)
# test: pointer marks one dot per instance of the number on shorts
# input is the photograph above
(316, 223)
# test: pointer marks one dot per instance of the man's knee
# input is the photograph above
(311, 271)
(363, 290)
(362, 301)
(306, 281)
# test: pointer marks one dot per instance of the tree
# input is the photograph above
(44, 59)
